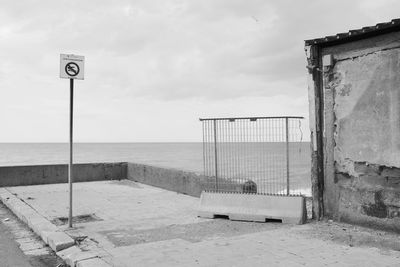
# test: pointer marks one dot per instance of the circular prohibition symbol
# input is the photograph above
(72, 69)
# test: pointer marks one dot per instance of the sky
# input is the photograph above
(153, 68)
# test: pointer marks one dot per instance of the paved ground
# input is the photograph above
(130, 224)
(19, 246)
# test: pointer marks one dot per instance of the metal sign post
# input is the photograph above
(71, 67)
(70, 166)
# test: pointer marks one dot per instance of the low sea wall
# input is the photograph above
(170, 179)
(58, 173)
(188, 183)
(183, 182)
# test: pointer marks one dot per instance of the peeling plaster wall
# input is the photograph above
(362, 132)
(367, 102)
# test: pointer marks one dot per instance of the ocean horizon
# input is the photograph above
(186, 156)
(179, 155)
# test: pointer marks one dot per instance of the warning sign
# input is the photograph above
(72, 66)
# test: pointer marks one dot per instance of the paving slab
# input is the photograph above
(97, 262)
(123, 223)
(59, 241)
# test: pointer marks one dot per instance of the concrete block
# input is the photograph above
(95, 262)
(74, 258)
(13, 203)
(44, 234)
(65, 253)
(36, 222)
(59, 241)
(27, 214)
(41, 226)
(3, 195)
(252, 207)
(38, 252)
(30, 246)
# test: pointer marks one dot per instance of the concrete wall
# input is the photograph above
(49, 174)
(188, 183)
(174, 180)
(362, 132)
(170, 179)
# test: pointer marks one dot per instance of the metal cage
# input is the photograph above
(263, 155)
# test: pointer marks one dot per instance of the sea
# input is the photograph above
(182, 156)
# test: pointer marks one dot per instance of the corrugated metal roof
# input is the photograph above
(357, 34)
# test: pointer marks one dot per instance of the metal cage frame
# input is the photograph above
(251, 154)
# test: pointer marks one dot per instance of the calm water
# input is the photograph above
(183, 156)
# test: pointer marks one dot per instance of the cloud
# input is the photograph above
(167, 51)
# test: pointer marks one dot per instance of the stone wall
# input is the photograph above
(372, 197)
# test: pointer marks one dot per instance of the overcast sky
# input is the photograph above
(154, 67)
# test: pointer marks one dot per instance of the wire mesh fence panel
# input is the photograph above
(264, 155)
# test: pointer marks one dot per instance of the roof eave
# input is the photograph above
(355, 35)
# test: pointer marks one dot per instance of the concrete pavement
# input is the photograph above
(123, 223)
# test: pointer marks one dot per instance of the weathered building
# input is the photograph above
(354, 94)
